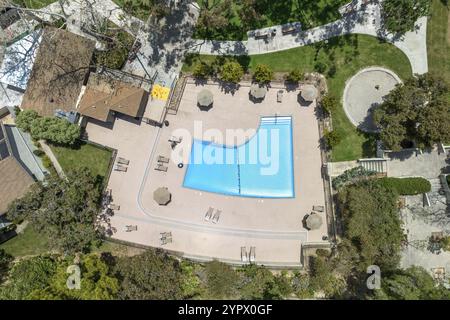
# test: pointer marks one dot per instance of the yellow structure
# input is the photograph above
(160, 92)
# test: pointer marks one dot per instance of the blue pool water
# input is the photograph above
(262, 167)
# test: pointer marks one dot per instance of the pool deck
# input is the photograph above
(273, 226)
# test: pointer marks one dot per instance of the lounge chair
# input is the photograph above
(166, 234)
(123, 161)
(175, 139)
(244, 257)
(216, 216)
(163, 159)
(166, 241)
(318, 208)
(252, 254)
(113, 206)
(161, 167)
(209, 214)
(280, 96)
(130, 228)
(120, 168)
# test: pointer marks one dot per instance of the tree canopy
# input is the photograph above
(400, 16)
(64, 210)
(5, 261)
(231, 71)
(417, 111)
(152, 275)
(414, 283)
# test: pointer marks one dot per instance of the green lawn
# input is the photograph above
(134, 8)
(310, 13)
(83, 154)
(29, 242)
(34, 4)
(347, 54)
(438, 40)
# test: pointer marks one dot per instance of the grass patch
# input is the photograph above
(33, 4)
(27, 243)
(310, 13)
(134, 8)
(438, 40)
(83, 154)
(343, 57)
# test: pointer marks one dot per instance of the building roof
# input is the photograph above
(104, 94)
(60, 68)
(18, 61)
(15, 180)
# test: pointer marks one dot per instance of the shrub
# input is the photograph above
(231, 72)
(320, 67)
(332, 138)
(25, 119)
(263, 74)
(202, 70)
(406, 186)
(351, 176)
(329, 104)
(295, 76)
(47, 162)
(38, 152)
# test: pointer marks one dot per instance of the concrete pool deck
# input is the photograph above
(274, 226)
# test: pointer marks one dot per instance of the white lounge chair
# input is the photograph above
(123, 161)
(244, 257)
(216, 216)
(120, 168)
(209, 213)
(252, 254)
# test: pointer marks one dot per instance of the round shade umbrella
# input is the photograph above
(257, 92)
(162, 196)
(205, 98)
(313, 221)
(308, 92)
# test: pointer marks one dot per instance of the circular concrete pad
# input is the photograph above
(364, 92)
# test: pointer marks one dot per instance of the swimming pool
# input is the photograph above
(262, 167)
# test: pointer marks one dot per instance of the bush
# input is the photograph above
(38, 152)
(202, 70)
(332, 138)
(263, 74)
(351, 176)
(25, 119)
(295, 76)
(47, 162)
(320, 67)
(406, 186)
(329, 104)
(231, 72)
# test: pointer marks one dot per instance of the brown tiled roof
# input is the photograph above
(14, 180)
(61, 64)
(104, 94)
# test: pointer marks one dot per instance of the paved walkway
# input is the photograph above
(410, 164)
(365, 20)
(52, 158)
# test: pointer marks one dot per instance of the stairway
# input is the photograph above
(375, 164)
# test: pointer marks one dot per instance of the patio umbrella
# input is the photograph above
(314, 221)
(162, 196)
(205, 98)
(257, 91)
(308, 92)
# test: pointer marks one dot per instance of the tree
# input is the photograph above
(231, 72)
(214, 14)
(263, 74)
(320, 67)
(202, 70)
(96, 281)
(323, 279)
(329, 104)
(260, 283)
(400, 16)
(25, 118)
(414, 283)
(332, 138)
(417, 111)
(64, 210)
(221, 280)
(371, 222)
(152, 275)
(27, 276)
(5, 261)
(295, 76)
(249, 15)
(55, 130)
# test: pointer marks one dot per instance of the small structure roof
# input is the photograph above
(162, 196)
(308, 92)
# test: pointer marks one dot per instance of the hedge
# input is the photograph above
(406, 186)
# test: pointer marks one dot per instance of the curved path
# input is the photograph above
(366, 19)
